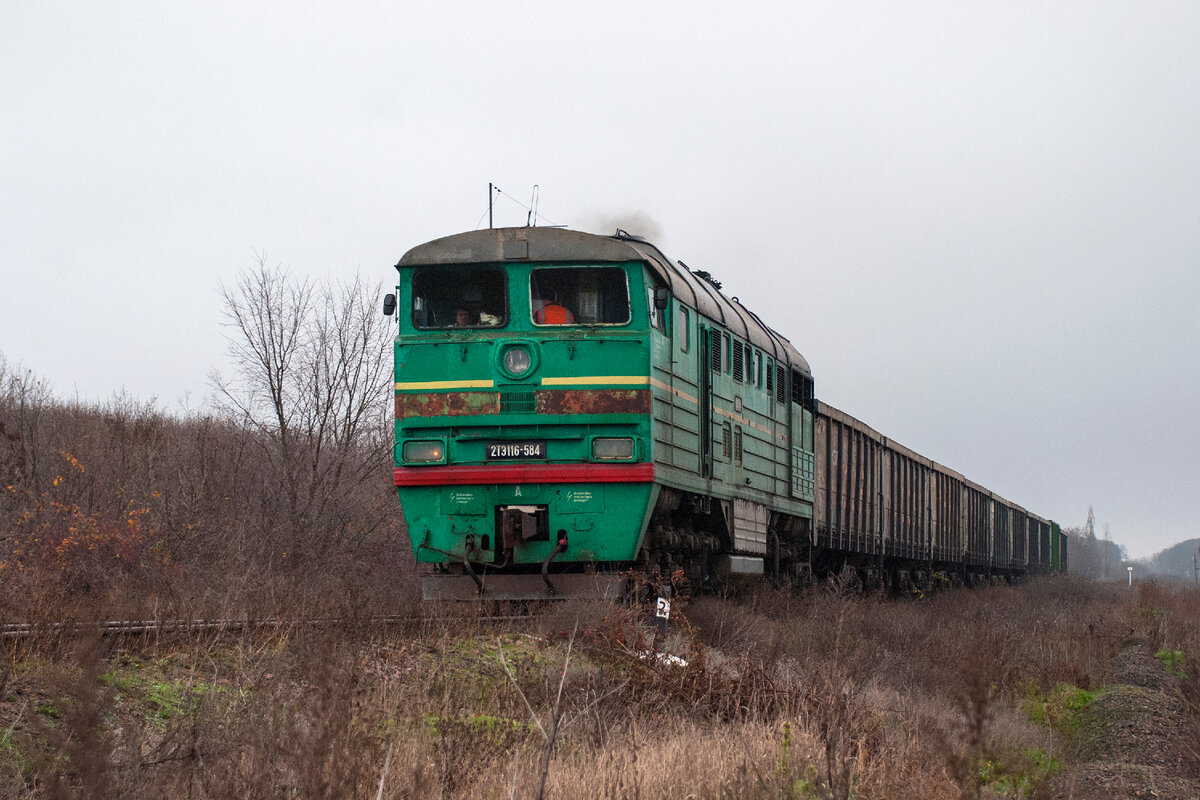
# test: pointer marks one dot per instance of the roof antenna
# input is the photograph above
(491, 194)
(531, 217)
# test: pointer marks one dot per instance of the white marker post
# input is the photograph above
(1130, 575)
(662, 616)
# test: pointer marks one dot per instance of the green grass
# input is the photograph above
(12, 760)
(1174, 661)
(1059, 707)
(499, 732)
(49, 709)
(1016, 776)
(165, 697)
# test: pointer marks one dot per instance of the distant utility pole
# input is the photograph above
(1195, 569)
(1107, 550)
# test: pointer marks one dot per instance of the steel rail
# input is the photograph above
(21, 630)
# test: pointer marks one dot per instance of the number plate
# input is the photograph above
(514, 451)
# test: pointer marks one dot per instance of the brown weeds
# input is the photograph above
(825, 694)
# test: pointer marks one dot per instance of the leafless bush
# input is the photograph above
(1168, 618)
(832, 695)
(313, 370)
(278, 498)
(67, 745)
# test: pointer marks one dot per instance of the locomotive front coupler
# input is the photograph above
(469, 549)
(465, 560)
(559, 547)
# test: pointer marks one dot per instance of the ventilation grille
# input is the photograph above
(517, 403)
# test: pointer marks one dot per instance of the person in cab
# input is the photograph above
(551, 313)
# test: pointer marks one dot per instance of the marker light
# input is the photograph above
(612, 449)
(516, 360)
(424, 452)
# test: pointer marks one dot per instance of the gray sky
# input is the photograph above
(979, 222)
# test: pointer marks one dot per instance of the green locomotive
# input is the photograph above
(569, 405)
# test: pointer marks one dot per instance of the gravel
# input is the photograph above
(1135, 738)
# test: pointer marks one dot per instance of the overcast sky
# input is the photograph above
(979, 222)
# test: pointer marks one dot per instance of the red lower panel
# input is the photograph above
(524, 473)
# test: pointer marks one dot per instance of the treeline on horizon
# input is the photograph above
(1101, 559)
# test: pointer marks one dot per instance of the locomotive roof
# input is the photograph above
(499, 245)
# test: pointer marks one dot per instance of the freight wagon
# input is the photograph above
(570, 406)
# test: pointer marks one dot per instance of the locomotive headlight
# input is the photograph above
(424, 452)
(517, 360)
(612, 449)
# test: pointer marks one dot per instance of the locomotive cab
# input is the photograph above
(522, 409)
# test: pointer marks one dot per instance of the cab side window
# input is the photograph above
(459, 297)
(579, 296)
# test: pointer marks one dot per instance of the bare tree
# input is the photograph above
(1092, 557)
(347, 366)
(24, 399)
(267, 313)
(312, 373)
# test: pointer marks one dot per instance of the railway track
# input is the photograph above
(117, 628)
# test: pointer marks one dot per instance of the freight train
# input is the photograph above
(571, 408)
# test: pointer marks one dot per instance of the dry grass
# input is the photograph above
(824, 694)
(123, 511)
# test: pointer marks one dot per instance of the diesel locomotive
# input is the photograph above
(570, 406)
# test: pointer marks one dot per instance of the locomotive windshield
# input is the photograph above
(458, 297)
(579, 296)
